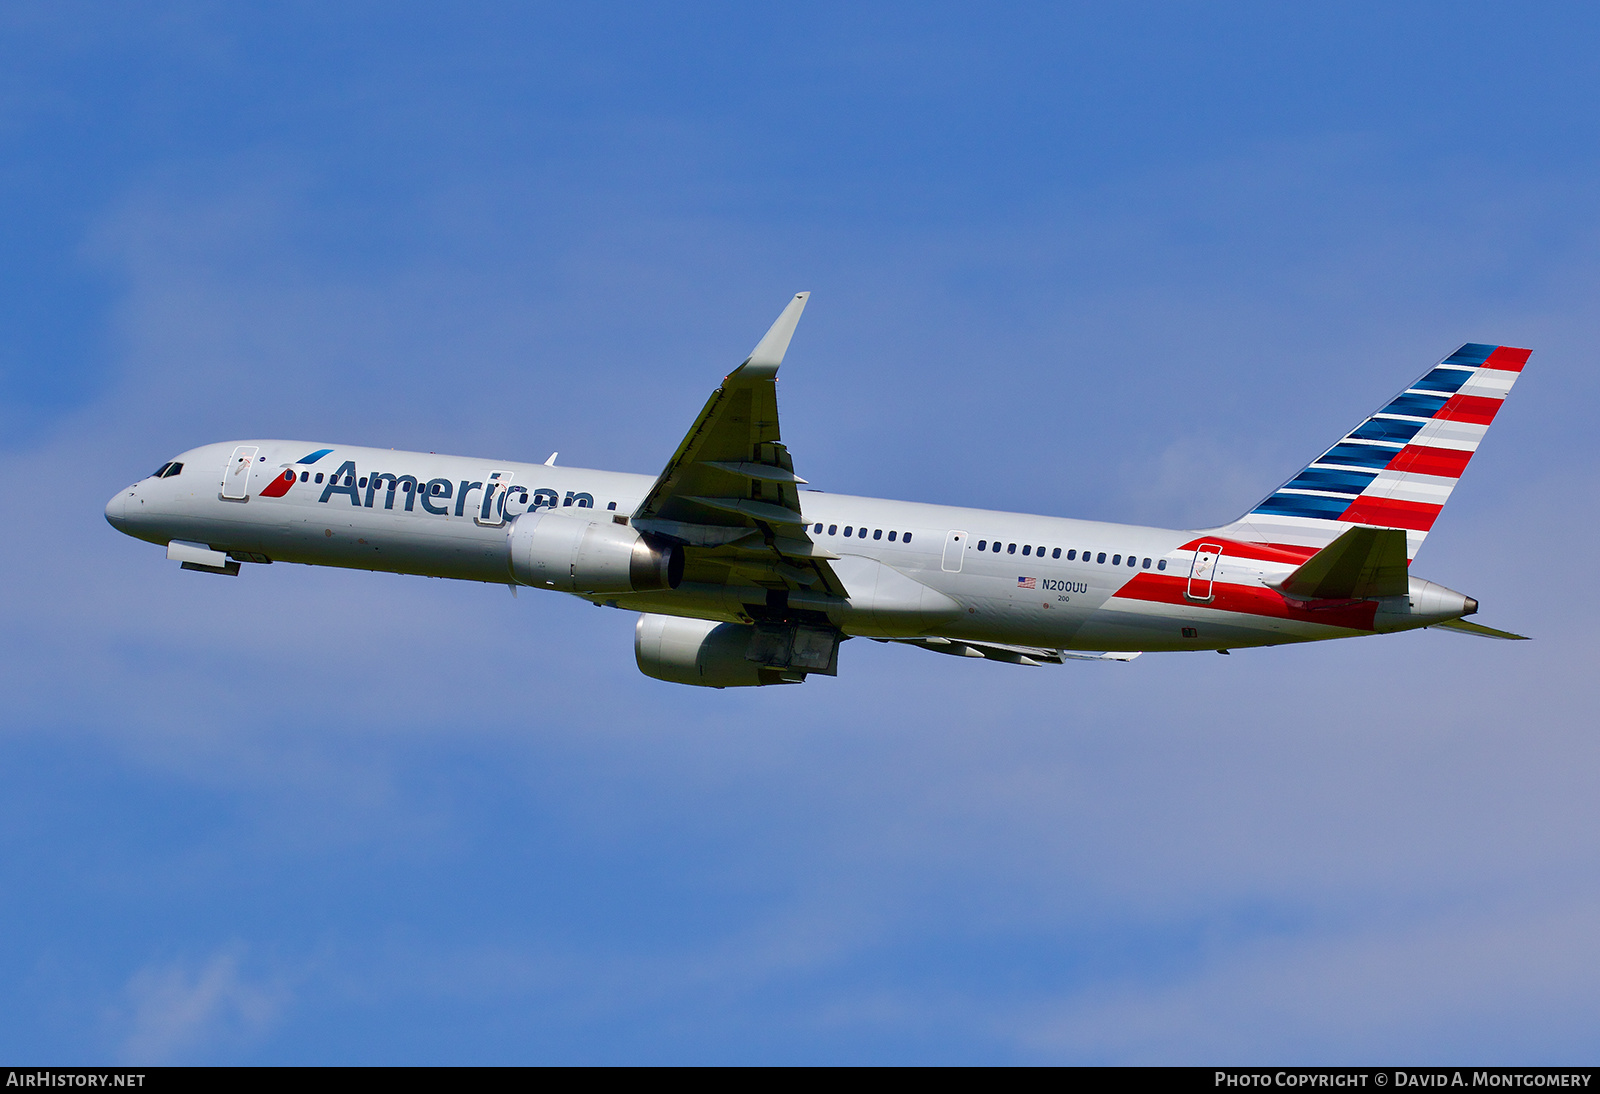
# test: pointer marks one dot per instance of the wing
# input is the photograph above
(730, 496)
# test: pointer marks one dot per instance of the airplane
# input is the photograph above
(743, 577)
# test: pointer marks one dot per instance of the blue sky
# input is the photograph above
(1130, 263)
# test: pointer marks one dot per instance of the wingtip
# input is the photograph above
(769, 352)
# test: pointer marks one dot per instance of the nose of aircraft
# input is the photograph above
(117, 509)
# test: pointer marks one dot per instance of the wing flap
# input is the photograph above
(1000, 651)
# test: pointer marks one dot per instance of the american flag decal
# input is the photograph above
(1027, 583)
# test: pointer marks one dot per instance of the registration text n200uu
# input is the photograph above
(1063, 586)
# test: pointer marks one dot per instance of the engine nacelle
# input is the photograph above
(709, 654)
(551, 550)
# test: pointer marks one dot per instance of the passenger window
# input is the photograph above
(1011, 549)
(847, 530)
(1146, 564)
(611, 505)
(1072, 555)
(319, 476)
(833, 529)
(983, 545)
(906, 538)
(349, 480)
(996, 547)
(1056, 553)
(1026, 549)
(1102, 557)
(305, 476)
(877, 533)
(363, 482)
(818, 529)
(892, 535)
(1132, 561)
(1161, 564)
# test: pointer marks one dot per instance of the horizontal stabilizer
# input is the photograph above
(1462, 626)
(1362, 562)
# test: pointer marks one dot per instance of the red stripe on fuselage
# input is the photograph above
(1508, 359)
(1391, 513)
(1248, 600)
(1419, 459)
(1473, 409)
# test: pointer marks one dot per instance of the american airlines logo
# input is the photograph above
(497, 498)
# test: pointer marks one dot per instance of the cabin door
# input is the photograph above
(492, 513)
(955, 549)
(236, 476)
(1203, 572)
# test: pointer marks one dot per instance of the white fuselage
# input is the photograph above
(1053, 583)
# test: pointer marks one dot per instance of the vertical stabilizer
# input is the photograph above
(1397, 468)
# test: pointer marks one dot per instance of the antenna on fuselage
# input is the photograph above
(551, 462)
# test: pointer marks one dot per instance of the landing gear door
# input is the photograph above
(492, 513)
(236, 476)
(1203, 572)
(955, 549)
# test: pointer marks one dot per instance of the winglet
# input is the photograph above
(763, 362)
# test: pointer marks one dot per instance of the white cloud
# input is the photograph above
(181, 1010)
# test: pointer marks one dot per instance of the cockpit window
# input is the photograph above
(167, 470)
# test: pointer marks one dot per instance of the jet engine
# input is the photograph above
(732, 655)
(552, 550)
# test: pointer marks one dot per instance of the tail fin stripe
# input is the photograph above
(1386, 429)
(1507, 358)
(1304, 505)
(1447, 434)
(1360, 455)
(1417, 406)
(1444, 379)
(1419, 459)
(1473, 353)
(1408, 486)
(1391, 513)
(1470, 408)
(1327, 478)
(1489, 384)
